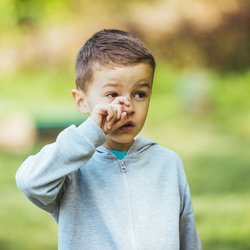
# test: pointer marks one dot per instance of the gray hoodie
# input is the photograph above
(101, 203)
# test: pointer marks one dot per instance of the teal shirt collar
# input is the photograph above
(119, 154)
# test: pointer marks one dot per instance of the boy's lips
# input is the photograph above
(127, 127)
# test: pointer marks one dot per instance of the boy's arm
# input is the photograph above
(42, 176)
(189, 239)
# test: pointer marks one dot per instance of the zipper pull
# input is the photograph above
(123, 167)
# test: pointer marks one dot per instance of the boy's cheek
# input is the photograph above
(104, 101)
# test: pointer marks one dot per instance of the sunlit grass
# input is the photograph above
(223, 221)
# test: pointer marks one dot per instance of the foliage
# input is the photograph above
(212, 34)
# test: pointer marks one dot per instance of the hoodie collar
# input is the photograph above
(140, 144)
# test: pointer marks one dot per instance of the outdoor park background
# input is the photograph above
(200, 104)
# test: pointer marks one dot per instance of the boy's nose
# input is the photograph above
(129, 108)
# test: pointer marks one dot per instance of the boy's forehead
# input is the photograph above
(141, 72)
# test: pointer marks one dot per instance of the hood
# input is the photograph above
(140, 144)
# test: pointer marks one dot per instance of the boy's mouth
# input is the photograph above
(128, 127)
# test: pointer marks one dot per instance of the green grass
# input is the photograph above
(223, 221)
(213, 143)
(43, 94)
(23, 226)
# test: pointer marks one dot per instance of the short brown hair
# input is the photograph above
(109, 47)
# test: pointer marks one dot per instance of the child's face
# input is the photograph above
(133, 82)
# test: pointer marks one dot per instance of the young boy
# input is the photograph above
(106, 188)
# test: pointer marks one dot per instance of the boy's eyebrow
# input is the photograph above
(111, 85)
(141, 85)
(147, 85)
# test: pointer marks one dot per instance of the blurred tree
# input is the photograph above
(207, 33)
(27, 12)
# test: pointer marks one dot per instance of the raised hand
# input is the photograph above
(110, 117)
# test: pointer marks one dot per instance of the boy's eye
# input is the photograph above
(112, 95)
(140, 95)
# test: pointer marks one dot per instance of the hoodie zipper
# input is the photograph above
(123, 166)
(124, 171)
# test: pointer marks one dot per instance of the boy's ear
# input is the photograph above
(80, 101)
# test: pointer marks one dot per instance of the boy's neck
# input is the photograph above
(112, 145)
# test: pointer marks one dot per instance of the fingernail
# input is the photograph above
(124, 114)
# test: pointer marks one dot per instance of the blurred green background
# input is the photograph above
(199, 108)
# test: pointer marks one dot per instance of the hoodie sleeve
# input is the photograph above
(189, 239)
(41, 176)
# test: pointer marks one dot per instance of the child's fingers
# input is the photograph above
(123, 116)
(99, 112)
(120, 122)
(118, 110)
(112, 116)
(110, 113)
(121, 100)
(109, 117)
